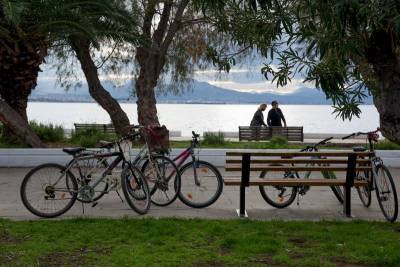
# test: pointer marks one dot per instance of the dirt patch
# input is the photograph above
(74, 258)
(8, 257)
(265, 260)
(211, 264)
(346, 263)
(7, 239)
(299, 242)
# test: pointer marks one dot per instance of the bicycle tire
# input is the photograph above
(337, 190)
(136, 191)
(161, 186)
(364, 192)
(269, 200)
(48, 191)
(189, 198)
(383, 195)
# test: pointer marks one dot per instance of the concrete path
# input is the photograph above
(318, 204)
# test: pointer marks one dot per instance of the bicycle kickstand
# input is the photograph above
(119, 196)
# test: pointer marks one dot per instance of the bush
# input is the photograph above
(387, 145)
(48, 133)
(214, 138)
(90, 137)
(279, 142)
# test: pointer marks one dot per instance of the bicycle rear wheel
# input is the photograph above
(48, 191)
(201, 184)
(163, 178)
(364, 192)
(386, 193)
(278, 196)
(135, 189)
(337, 190)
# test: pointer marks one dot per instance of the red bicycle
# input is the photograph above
(201, 182)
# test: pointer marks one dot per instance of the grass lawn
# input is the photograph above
(178, 242)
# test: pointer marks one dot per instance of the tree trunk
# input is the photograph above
(20, 61)
(383, 57)
(151, 65)
(18, 125)
(118, 117)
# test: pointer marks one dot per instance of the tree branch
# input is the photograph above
(163, 24)
(174, 27)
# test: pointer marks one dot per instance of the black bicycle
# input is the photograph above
(283, 196)
(51, 189)
(379, 179)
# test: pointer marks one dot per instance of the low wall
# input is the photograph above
(33, 157)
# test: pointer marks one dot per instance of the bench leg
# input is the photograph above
(347, 201)
(242, 210)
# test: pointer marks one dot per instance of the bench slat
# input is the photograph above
(294, 168)
(293, 182)
(298, 154)
(298, 161)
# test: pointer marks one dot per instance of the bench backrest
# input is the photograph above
(238, 161)
(106, 128)
(291, 133)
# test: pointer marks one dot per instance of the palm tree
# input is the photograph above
(27, 29)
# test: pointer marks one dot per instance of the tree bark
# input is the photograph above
(386, 63)
(152, 59)
(20, 61)
(18, 125)
(118, 117)
(150, 68)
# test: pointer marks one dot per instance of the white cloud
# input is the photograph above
(260, 87)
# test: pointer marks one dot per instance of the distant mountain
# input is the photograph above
(201, 92)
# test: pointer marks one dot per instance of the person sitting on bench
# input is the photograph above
(258, 118)
(275, 115)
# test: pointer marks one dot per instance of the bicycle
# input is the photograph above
(285, 195)
(160, 171)
(55, 187)
(379, 179)
(201, 182)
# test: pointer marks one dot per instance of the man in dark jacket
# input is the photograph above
(258, 118)
(275, 115)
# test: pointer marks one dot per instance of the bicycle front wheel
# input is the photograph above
(163, 178)
(278, 196)
(48, 190)
(201, 184)
(386, 193)
(364, 192)
(135, 189)
(337, 191)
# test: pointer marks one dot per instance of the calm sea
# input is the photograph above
(207, 117)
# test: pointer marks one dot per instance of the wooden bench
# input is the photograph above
(106, 128)
(257, 133)
(246, 163)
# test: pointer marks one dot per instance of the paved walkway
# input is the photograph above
(319, 203)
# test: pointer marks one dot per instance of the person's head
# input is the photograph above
(274, 104)
(262, 107)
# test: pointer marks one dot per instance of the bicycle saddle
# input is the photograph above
(105, 144)
(359, 149)
(73, 151)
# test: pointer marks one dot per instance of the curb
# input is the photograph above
(30, 157)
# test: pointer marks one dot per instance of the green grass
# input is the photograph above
(90, 137)
(178, 242)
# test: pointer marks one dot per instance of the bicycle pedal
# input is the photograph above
(94, 204)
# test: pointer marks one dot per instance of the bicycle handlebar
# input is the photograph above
(361, 133)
